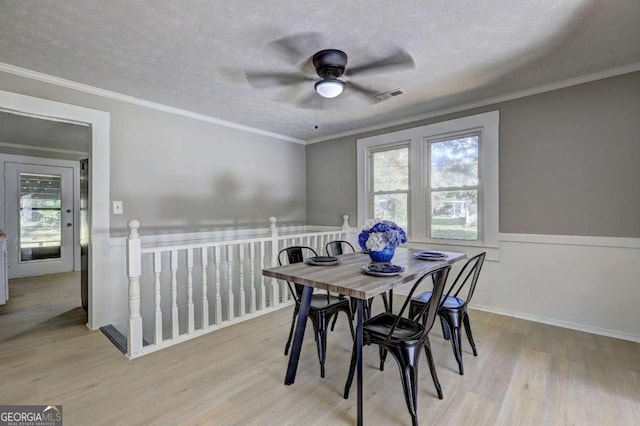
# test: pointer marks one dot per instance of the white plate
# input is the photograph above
(322, 261)
(376, 269)
(429, 255)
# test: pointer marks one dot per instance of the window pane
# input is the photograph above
(391, 170)
(454, 162)
(391, 207)
(454, 215)
(40, 216)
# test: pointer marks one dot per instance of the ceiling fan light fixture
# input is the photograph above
(329, 87)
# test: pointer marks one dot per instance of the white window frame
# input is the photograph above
(488, 126)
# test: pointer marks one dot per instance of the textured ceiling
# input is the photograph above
(193, 55)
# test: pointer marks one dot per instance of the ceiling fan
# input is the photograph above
(330, 65)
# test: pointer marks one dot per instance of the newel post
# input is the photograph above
(134, 260)
(275, 293)
(346, 228)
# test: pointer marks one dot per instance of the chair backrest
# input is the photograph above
(430, 310)
(295, 254)
(468, 275)
(337, 247)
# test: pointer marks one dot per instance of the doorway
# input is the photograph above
(40, 212)
(98, 292)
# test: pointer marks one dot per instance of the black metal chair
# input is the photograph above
(404, 338)
(453, 309)
(323, 306)
(338, 247)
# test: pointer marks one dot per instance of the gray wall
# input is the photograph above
(177, 174)
(569, 162)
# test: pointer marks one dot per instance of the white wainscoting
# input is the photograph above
(590, 284)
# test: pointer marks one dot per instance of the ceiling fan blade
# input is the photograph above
(311, 101)
(398, 61)
(298, 47)
(369, 94)
(262, 80)
(362, 90)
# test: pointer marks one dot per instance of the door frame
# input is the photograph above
(99, 294)
(74, 165)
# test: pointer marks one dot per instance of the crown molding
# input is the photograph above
(23, 72)
(45, 78)
(613, 72)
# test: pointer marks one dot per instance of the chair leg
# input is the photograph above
(352, 370)
(467, 328)
(407, 359)
(350, 317)
(432, 367)
(445, 329)
(333, 324)
(383, 357)
(293, 324)
(321, 340)
(367, 304)
(456, 342)
(385, 300)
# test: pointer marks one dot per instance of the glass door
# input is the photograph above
(40, 225)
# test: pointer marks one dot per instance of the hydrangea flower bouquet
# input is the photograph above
(380, 237)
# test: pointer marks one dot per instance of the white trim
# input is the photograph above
(572, 240)
(564, 324)
(99, 308)
(42, 148)
(22, 72)
(488, 125)
(613, 72)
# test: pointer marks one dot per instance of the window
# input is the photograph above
(390, 185)
(452, 187)
(439, 181)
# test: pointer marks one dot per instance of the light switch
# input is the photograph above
(117, 207)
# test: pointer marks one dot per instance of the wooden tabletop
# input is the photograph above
(347, 278)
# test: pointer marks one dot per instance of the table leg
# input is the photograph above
(294, 356)
(359, 314)
(391, 301)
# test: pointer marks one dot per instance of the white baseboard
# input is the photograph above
(558, 323)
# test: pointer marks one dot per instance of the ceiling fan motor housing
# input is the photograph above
(330, 63)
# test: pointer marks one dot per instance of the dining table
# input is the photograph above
(348, 277)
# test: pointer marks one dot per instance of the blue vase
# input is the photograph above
(385, 255)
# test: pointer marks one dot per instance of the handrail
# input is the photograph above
(218, 280)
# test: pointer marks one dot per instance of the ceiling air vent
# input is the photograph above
(386, 95)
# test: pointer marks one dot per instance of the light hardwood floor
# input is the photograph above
(526, 373)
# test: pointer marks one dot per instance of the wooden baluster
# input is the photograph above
(230, 299)
(218, 311)
(175, 329)
(190, 307)
(205, 301)
(157, 268)
(134, 270)
(242, 307)
(263, 293)
(346, 229)
(252, 272)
